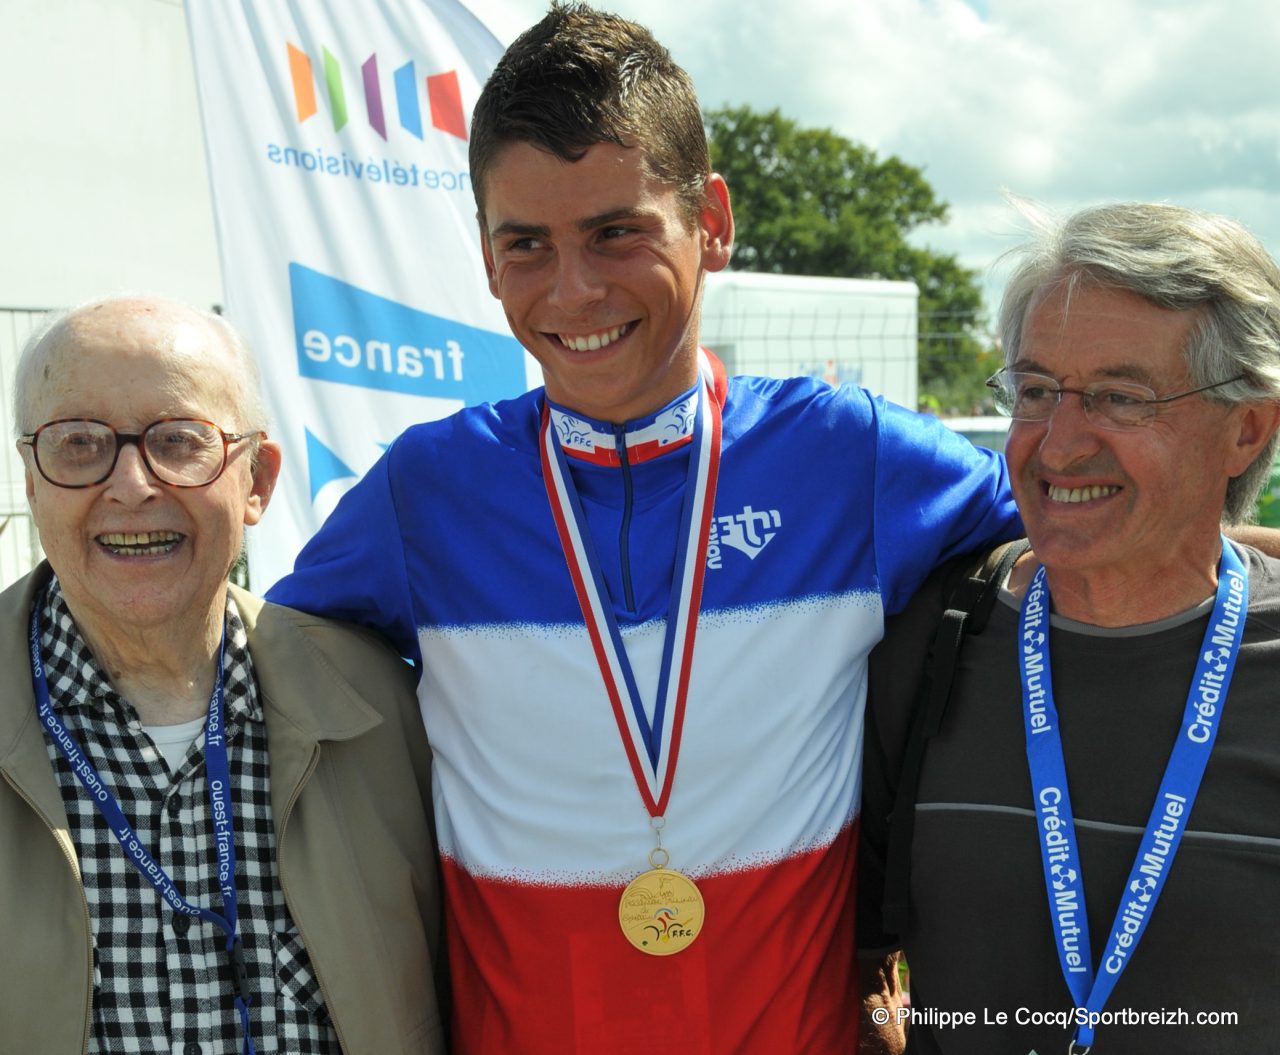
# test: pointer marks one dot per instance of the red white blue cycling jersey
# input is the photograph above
(830, 508)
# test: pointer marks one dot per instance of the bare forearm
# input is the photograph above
(1262, 538)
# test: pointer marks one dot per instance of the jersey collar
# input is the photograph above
(668, 429)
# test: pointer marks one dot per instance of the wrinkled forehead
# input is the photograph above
(131, 355)
(1072, 326)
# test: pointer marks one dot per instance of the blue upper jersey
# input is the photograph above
(452, 527)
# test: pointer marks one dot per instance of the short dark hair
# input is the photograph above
(582, 77)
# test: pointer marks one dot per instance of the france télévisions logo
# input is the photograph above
(444, 98)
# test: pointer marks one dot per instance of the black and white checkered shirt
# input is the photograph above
(160, 985)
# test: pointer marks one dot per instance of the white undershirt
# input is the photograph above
(173, 740)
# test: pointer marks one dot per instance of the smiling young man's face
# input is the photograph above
(599, 271)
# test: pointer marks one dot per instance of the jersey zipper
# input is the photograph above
(624, 533)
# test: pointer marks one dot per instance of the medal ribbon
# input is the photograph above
(659, 739)
(1064, 882)
(218, 772)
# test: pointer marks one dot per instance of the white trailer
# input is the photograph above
(845, 330)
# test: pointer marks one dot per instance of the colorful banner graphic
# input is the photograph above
(336, 136)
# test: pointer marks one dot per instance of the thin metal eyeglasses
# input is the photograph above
(1116, 405)
(180, 452)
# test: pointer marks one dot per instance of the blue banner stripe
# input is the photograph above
(347, 335)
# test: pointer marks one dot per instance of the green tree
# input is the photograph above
(810, 202)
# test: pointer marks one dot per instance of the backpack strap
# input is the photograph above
(967, 610)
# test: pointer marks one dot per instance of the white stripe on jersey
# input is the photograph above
(532, 783)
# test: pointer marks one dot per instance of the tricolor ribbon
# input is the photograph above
(652, 744)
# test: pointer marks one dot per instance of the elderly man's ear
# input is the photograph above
(265, 473)
(1256, 423)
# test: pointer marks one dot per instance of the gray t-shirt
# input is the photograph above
(979, 939)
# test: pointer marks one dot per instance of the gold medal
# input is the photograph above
(661, 911)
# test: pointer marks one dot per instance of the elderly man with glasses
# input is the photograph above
(215, 824)
(1095, 859)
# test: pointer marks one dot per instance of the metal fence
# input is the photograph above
(19, 547)
(872, 347)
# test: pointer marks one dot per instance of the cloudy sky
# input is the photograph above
(1068, 103)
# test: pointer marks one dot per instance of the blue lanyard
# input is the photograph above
(218, 771)
(1064, 883)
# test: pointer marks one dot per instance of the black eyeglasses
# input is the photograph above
(180, 452)
(1115, 405)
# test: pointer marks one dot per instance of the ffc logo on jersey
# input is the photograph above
(748, 532)
(444, 97)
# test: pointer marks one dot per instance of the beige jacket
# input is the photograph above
(351, 792)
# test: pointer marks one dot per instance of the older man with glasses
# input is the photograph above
(215, 822)
(1095, 860)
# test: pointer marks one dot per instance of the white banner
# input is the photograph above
(336, 135)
